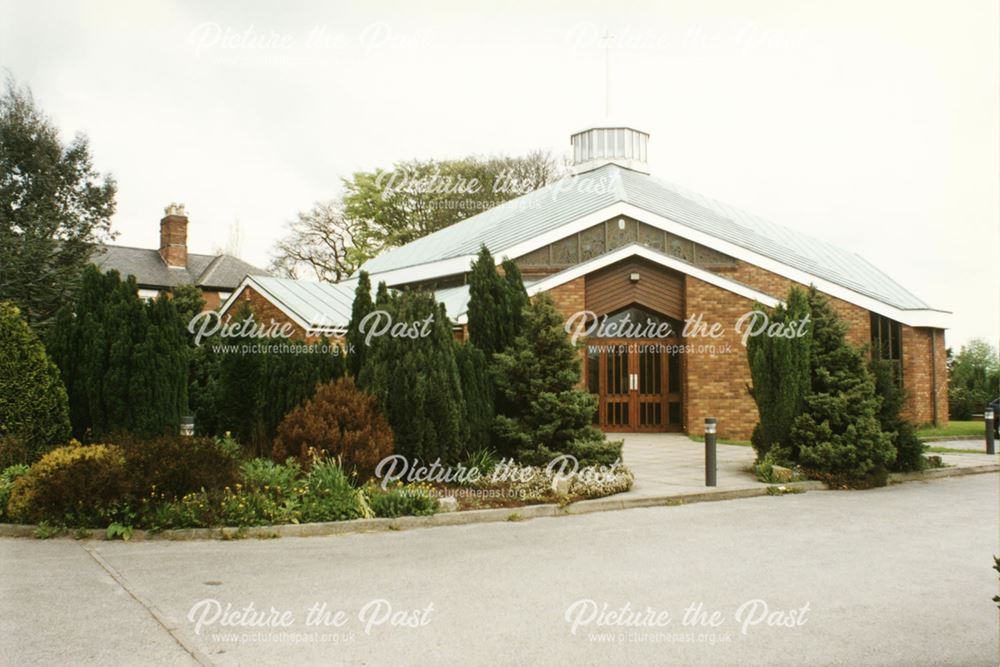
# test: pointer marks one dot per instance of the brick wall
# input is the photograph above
(859, 331)
(263, 310)
(921, 349)
(715, 383)
(569, 297)
(212, 300)
(715, 380)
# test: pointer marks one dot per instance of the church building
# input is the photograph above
(615, 243)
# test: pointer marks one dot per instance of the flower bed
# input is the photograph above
(107, 485)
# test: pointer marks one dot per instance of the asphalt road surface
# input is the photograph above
(895, 576)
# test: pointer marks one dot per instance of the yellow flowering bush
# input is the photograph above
(74, 484)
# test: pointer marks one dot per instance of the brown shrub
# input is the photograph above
(175, 465)
(339, 421)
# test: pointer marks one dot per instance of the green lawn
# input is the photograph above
(975, 427)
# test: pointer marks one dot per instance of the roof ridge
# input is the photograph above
(156, 250)
(726, 207)
(203, 277)
(507, 208)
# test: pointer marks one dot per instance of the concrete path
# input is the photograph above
(978, 445)
(893, 576)
(669, 463)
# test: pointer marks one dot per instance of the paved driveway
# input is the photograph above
(894, 576)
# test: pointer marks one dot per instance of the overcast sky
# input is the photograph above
(872, 124)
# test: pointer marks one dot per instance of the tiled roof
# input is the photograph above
(557, 204)
(215, 271)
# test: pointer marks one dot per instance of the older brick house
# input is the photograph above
(613, 240)
(161, 269)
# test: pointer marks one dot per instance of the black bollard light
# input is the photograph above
(991, 447)
(710, 462)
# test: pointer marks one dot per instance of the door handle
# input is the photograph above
(633, 381)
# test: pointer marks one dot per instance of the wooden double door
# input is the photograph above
(638, 384)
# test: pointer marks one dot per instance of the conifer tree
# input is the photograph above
(160, 374)
(780, 372)
(838, 433)
(909, 448)
(477, 393)
(416, 381)
(543, 411)
(517, 299)
(124, 362)
(34, 410)
(382, 295)
(250, 394)
(489, 314)
(355, 339)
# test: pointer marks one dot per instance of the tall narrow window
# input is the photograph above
(887, 343)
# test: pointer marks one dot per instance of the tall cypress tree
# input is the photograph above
(241, 398)
(417, 381)
(517, 299)
(490, 325)
(382, 295)
(124, 362)
(780, 372)
(160, 371)
(126, 326)
(362, 306)
(477, 393)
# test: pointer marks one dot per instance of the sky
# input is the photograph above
(871, 124)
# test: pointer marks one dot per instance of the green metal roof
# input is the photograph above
(549, 208)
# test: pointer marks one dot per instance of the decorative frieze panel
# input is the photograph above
(709, 258)
(680, 248)
(592, 242)
(616, 233)
(566, 252)
(621, 232)
(651, 237)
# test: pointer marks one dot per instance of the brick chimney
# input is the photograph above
(173, 236)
